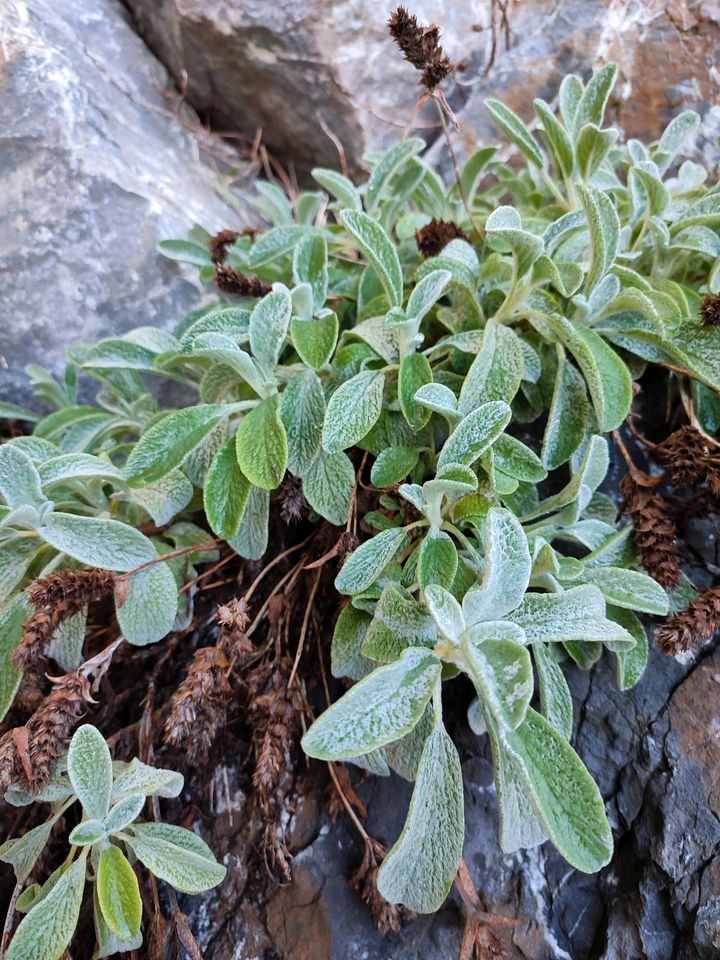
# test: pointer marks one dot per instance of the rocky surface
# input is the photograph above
(94, 170)
(245, 68)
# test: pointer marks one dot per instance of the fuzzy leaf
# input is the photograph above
(496, 371)
(139, 778)
(177, 856)
(125, 812)
(567, 418)
(399, 622)
(108, 544)
(166, 444)
(393, 465)
(415, 372)
(302, 411)
(226, 492)
(502, 674)
(379, 709)
(379, 249)
(631, 663)
(252, 537)
(352, 411)
(118, 893)
(314, 338)
(629, 588)
(419, 870)
(262, 445)
(269, 324)
(364, 566)
(13, 615)
(446, 612)
(22, 853)
(346, 656)
(604, 228)
(515, 130)
(90, 770)
(437, 560)
(20, 482)
(575, 615)
(310, 266)
(328, 486)
(506, 571)
(146, 606)
(475, 434)
(555, 697)
(47, 929)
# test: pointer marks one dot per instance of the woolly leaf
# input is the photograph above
(20, 481)
(47, 929)
(226, 492)
(90, 770)
(262, 445)
(314, 338)
(177, 856)
(302, 411)
(399, 622)
(575, 615)
(139, 778)
(420, 868)
(269, 323)
(506, 570)
(496, 371)
(13, 615)
(379, 709)
(346, 656)
(108, 544)
(118, 893)
(437, 560)
(146, 604)
(328, 486)
(568, 416)
(475, 434)
(502, 674)
(392, 465)
(252, 537)
(415, 372)
(166, 444)
(22, 853)
(630, 589)
(352, 411)
(364, 566)
(124, 812)
(555, 697)
(516, 131)
(378, 248)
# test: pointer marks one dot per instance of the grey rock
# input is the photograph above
(94, 171)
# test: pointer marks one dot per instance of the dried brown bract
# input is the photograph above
(46, 732)
(421, 47)
(388, 917)
(654, 532)
(436, 235)
(199, 708)
(56, 598)
(293, 505)
(710, 310)
(220, 244)
(238, 285)
(233, 618)
(686, 453)
(698, 621)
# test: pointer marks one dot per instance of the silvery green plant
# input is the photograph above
(581, 266)
(106, 843)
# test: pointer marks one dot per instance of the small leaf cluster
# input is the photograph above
(478, 384)
(104, 846)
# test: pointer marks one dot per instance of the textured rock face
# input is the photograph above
(249, 64)
(93, 173)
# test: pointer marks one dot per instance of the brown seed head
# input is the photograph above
(436, 235)
(710, 310)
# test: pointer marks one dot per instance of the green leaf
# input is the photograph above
(555, 697)
(519, 826)
(439, 398)
(226, 492)
(420, 868)
(107, 943)
(415, 372)
(108, 544)
(517, 460)
(48, 928)
(591, 108)
(604, 227)
(390, 163)
(399, 622)
(22, 853)
(574, 615)
(164, 498)
(186, 251)
(496, 371)
(13, 615)
(567, 418)
(90, 770)
(262, 446)
(269, 323)
(146, 604)
(378, 248)
(571, 91)
(125, 812)
(505, 225)
(275, 243)
(437, 560)
(77, 466)
(516, 131)
(446, 612)
(502, 674)
(339, 186)
(11, 411)
(139, 778)
(427, 292)
(630, 663)
(16, 555)
(352, 410)
(364, 566)
(475, 433)
(310, 266)
(328, 486)
(566, 800)
(393, 465)
(19, 479)
(252, 537)
(177, 856)
(506, 569)
(118, 893)
(346, 656)
(630, 589)
(593, 145)
(87, 832)
(607, 376)
(302, 411)
(379, 709)
(315, 338)
(168, 442)
(557, 139)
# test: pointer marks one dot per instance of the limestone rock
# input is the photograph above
(94, 171)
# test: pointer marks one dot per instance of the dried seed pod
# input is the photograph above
(436, 235)
(710, 310)
(697, 622)
(238, 285)
(421, 47)
(685, 453)
(655, 533)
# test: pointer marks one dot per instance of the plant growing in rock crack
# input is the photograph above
(104, 845)
(547, 290)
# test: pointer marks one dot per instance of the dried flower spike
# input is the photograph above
(199, 708)
(421, 46)
(698, 621)
(238, 285)
(655, 533)
(710, 310)
(220, 244)
(685, 453)
(436, 235)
